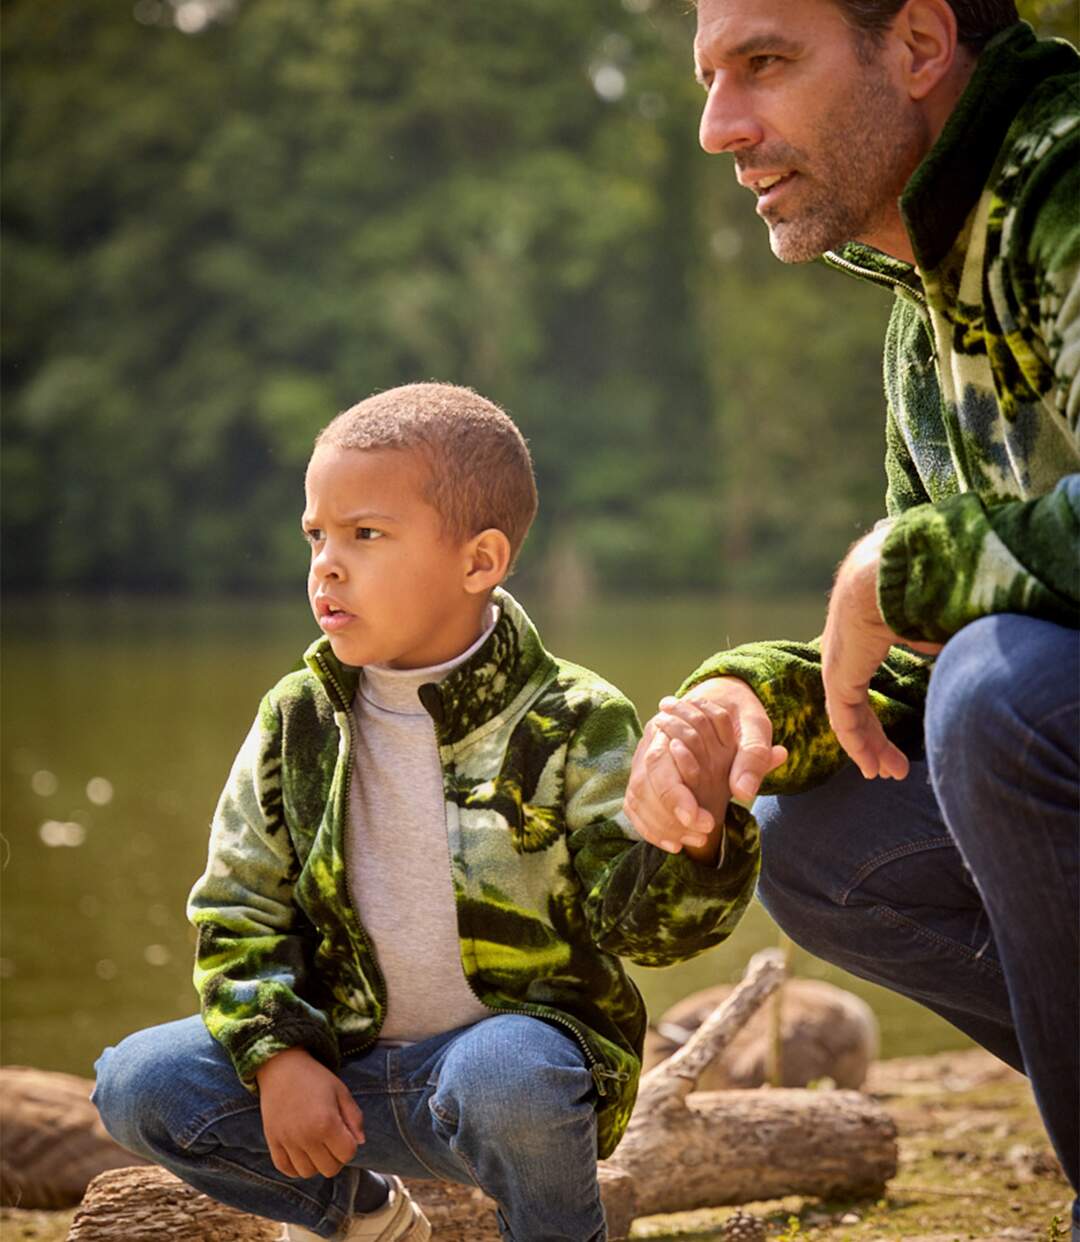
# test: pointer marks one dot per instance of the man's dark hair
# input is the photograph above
(977, 21)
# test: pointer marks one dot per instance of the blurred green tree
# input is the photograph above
(223, 222)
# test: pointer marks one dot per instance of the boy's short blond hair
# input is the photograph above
(480, 470)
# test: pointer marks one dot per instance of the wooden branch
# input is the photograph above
(676, 1077)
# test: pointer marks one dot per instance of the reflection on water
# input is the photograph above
(120, 722)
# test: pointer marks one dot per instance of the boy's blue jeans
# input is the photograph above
(505, 1104)
(958, 886)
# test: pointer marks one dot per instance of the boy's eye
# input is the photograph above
(313, 534)
(368, 532)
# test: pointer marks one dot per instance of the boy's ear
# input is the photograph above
(487, 561)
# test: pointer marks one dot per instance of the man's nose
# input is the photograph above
(727, 120)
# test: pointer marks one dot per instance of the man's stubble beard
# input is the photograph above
(865, 151)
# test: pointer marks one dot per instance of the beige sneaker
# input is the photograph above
(398, 1220)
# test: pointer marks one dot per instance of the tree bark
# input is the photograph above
(150, 1205)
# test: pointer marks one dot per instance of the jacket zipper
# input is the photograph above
(599, 1072)
(380, 982)
(877, 278)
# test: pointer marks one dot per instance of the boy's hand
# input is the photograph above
(701, 739)
(312, 1123)
(660, 800)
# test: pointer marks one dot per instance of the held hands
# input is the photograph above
(696, 753)
(312, 1123)
(855, 642)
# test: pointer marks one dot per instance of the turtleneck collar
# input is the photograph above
(396, 689)
(509, 664)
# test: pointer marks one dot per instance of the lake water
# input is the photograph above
(120, 720)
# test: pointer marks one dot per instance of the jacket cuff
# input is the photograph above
(739, 851)
(901, 574)
(249, 1057)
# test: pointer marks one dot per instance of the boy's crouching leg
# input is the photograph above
(171, 1095)
(514, 1103)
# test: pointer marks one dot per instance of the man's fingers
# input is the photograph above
(753, 761)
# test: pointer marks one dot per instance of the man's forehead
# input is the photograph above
(736, 27)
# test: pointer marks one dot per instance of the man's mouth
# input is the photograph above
(762, 185)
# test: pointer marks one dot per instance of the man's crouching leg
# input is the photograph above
(1003, 734)
(514, 1103)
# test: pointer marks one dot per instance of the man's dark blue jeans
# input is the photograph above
(958, 886)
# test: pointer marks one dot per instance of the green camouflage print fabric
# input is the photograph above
(982, 380)
(551, 882)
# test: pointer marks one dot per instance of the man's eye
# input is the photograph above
(764, 61)
(368, 532)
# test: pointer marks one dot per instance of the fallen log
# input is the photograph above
(53, 1139)
(150, 1205)
(686, 1149)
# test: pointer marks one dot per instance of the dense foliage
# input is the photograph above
(224, 222)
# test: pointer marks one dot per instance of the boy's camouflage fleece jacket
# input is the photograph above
(982, 356)
(550, 882)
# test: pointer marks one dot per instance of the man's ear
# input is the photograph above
(487, 561)
(924, 34)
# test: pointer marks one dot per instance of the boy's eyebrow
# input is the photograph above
(350, 519)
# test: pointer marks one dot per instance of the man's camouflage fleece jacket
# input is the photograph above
(982, 356)
(550, 881)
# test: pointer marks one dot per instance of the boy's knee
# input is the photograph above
(518, 1080)
(143, 1084)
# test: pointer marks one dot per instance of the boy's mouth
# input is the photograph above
(330, 615)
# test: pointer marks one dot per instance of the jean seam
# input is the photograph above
(298, 1197)
(901, 851)
(191, 1134)
(440, 1116)
(972, 957)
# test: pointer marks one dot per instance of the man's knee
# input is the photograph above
(999, 675)
(1002, 704)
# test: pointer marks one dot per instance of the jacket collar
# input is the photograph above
(511, 665)
(945, 187)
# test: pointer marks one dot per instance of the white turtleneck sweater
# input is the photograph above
(398, 856)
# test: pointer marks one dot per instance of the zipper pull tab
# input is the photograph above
(600, 1076)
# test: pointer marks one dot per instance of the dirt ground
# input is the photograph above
(975, 1166)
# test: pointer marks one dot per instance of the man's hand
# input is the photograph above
(722, 715)
(312, 1123)
(855, 642)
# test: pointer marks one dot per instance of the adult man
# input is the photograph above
(930, 146)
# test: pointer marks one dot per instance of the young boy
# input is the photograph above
(419, 877)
